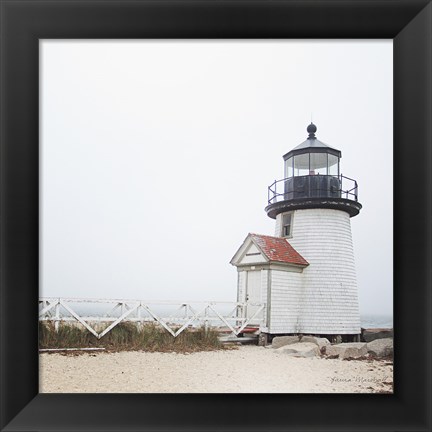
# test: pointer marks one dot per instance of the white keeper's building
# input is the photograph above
(305, 273)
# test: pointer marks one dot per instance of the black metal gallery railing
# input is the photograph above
(313, 186)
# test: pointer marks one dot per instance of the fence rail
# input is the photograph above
(235, 316)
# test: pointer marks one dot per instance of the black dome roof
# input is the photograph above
(312, 145)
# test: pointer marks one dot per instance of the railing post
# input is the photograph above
(139, 322)
(241, 313)
(57, 316)
(206, 323)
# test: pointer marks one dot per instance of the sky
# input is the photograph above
(156, 157)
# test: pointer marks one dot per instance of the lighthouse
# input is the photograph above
(304, 275)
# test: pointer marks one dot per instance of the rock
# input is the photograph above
(306, 349)
(381, 347)
(338, 339)
(321, 342)
(281, 341)
(347, 350)
(369, 335)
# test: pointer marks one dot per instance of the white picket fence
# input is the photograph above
(241, 316)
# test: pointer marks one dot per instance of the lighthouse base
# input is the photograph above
(322, 299)
(265, 339)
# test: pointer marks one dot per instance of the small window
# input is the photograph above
(287, 225)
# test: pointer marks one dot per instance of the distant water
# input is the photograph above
(376, 321)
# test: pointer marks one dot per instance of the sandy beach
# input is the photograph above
(248, 369)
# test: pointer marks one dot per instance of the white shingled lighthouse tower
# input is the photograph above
(305, 274)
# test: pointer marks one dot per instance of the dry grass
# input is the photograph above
(127, 337)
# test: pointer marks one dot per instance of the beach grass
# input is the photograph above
(129, 337)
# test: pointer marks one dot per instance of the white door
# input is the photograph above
(253, 293)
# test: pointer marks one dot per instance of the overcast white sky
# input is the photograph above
(156, 157)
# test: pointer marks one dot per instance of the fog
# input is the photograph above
(156, 157)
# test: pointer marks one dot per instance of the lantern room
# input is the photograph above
(312, 177)
(312, 157)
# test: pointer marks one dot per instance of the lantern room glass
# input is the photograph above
(318, 164)
(333, 165)
(312, 164)
(289, 168)
(301, 165)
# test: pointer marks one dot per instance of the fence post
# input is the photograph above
(57, 316)
(139, 323)
(206, 323)
(240, 314)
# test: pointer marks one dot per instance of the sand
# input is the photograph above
(249, 369)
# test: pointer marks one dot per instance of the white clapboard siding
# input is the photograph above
(264, 285)
(286, 296)
(329, 303)
(278, 225)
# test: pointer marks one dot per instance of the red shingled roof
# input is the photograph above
(278, 249)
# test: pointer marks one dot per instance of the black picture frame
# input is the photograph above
(23, 23)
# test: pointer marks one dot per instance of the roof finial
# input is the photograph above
(311, 131)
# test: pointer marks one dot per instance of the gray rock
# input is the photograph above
(338, 339)
(369, 335)
(381, 347)
(347, 350)
(307, 349)
(321, 342)
(281, 341)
